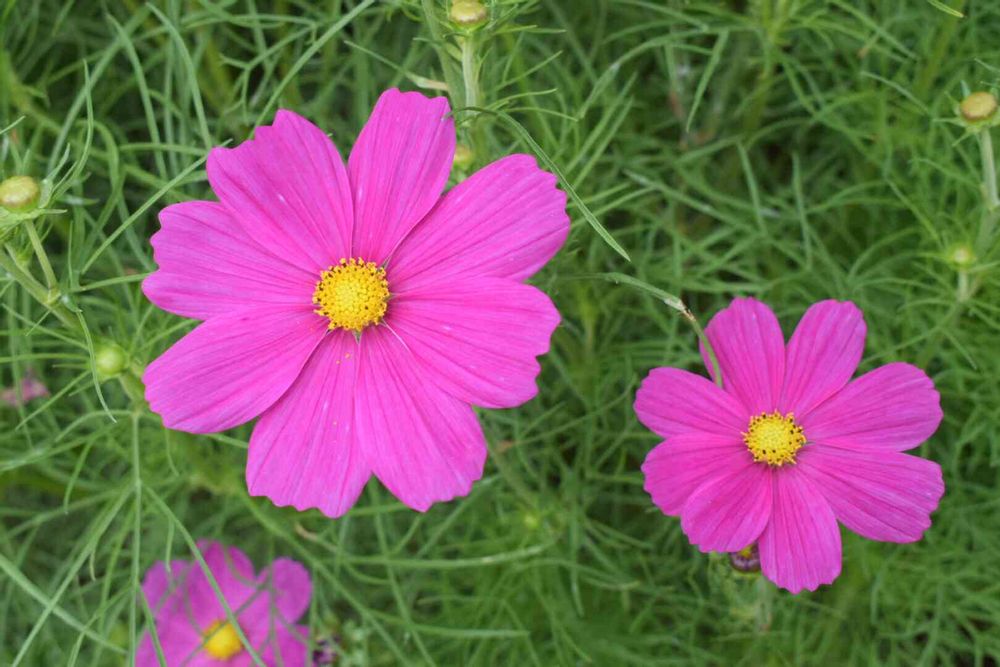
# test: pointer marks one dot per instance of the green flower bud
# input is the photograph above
(962, 256)
(19, 193)
(110, 360)
(978, 106)
(468, 13)
(463, 157)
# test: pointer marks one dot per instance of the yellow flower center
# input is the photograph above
(352, 294)
(773, 438)
(221, 640)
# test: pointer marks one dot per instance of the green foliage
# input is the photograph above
(793, 150)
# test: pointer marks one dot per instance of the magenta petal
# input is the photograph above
(728, 511)
(894, 407)
(885, 496)
(231, 368)
(398, 168)
(750, 348)
(208, 265)
(672, 401)
(158, 586)
(678, 466)
(506, 220)
(234, 574)
(303, 450)
(289, 190)
(478, 338)
(180, 642)
(800, 548)
(822, 355)
(423, 444)
(290, 588)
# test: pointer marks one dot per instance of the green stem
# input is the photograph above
(43, 258)
(990, 191)
(451, 74)
(678, 305)
(50, 298)
(469, 81)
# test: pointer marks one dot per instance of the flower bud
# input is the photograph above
(110, 360)
(463, 157)
(19, 193)
(468, 13)
(978, 106)
(962, 256)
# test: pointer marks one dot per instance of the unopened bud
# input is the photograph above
(19, 193)
(978, 106)
(110, 360)
(468, 13)
(962, 256)
(463, 157)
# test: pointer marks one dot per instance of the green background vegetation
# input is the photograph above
(793, 150)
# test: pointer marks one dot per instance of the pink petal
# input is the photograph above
(800, 548)
(280, 645)
(208, 265)
(678, 466)
(729, 510)
(179, 640)
(477, 338)
(881, 495)
(231, 368)
(822, 355)
(750, 348)
(303, 450)
(425, 445)
(289, 190)
(160, 587)
(398, 168)
(894, 407)
(284, 590)
(506, 220)
(290, 588)
(671, 401)
(234, 574)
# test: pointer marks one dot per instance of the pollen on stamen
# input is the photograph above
(352, 294)
(774, 438)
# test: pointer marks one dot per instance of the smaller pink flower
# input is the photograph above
(31, 388)
(791, 445)
(192, 625)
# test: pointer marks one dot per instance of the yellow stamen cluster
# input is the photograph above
(352, 294)
(221, 641)
(774, 439)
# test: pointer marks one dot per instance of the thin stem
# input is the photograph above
(990, 191)
(469, 79)
(47, 297)
(43, 258)
(678, 305)
(451, 74)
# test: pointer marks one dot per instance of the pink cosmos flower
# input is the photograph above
(791, 444)
(31, 388)
(357, 310)
(191, 623)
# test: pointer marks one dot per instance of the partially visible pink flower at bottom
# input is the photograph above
(31, 388)
(790, 445)
(193, 628)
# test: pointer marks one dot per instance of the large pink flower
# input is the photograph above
(192, 626)
(357, 310)
(791, 444)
